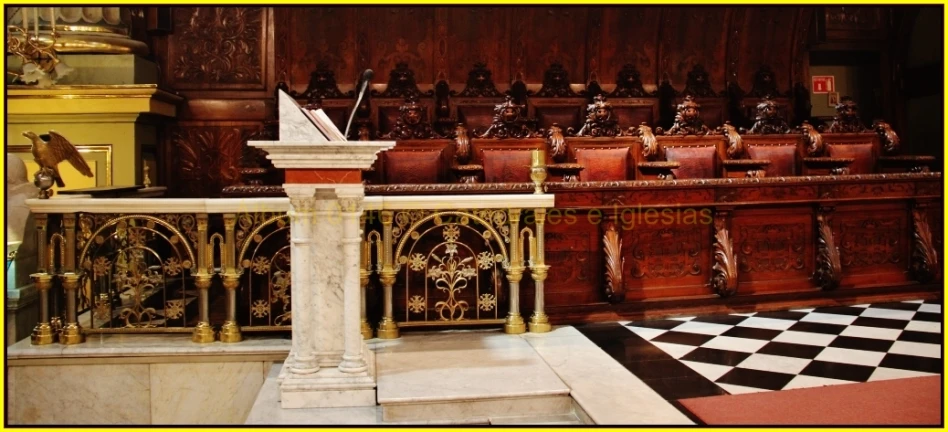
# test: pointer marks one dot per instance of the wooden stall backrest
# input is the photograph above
(475, 113)
(385, 113)
(749, 108)
(713, 110)
(604, 159)
(634, 111)
(567, 112)
(506, 160)
(781, 150)
(697, 155)
(416, 161)
(783, 159)
(603, 164)
(863, 147)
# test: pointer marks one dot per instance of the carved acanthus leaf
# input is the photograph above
(612, 245)
(924, 255)
(724, 271)
(828, 267)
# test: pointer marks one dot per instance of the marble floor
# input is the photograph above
(633, 373)
(688, 357)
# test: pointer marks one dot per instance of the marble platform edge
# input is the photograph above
(135, 345)
(476, 397)
(476, 409)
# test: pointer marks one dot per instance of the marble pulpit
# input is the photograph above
(329, 364)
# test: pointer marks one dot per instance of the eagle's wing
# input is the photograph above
(61, 149)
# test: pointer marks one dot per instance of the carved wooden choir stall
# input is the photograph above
(715, 205)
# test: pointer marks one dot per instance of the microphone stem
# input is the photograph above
(356, 107)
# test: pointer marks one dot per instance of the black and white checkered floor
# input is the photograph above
(763, 351)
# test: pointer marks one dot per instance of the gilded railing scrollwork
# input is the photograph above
(138, 267)
(456, 255)
(264, 257)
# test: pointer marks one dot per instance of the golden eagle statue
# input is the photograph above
(50, 150)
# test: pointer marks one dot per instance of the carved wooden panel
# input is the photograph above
(206, 158)
(693, 36)
(842, 23)
(630, 35)
(759, 47)
(554, 35)
(572, 252)
(478, 34)
(399, 35)
(321, 34)
(774, 249)
(667, 252)
(873, 239)
(218, 48)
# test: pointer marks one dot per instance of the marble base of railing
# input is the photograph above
(329, 387)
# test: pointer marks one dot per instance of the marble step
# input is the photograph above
(466, 375)
(557, 419)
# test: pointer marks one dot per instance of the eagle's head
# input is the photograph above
(30, 135)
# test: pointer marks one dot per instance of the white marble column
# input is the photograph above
(303, 359)
(327, 279)
(351, 205)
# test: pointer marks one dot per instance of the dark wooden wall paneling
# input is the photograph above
(227, 61)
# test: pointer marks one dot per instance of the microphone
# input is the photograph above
(366, 79)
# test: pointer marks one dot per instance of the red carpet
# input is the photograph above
(909, 401)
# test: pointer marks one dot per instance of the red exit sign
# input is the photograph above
(824, 84)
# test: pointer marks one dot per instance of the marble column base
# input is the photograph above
(329, 387)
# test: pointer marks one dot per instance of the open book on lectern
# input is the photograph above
(298, 124)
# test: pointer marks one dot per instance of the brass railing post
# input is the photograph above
(387, 328)
(69, 261)
(71, 332)
(41, 242)
(43, 332)
(364, 272)
(514, 323)
(230, 331)
(539, 322)
(203, 333)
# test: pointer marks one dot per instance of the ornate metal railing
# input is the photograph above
(218, 268)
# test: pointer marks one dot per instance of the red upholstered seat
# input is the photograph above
(862, 153)
(507, 166)
(417, 166)
(782, 159)
(696, 161)
(603, 164)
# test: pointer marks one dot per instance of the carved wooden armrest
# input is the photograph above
(827, 165)
(467, 173)
(912, 164)
(737, 168)
(658, 170)
(568, 171)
